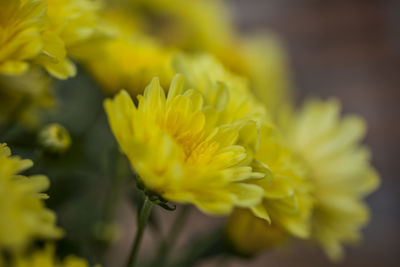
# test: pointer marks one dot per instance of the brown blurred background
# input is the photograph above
(349, 49)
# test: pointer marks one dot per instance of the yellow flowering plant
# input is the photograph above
(339, 169)
(41, 32)
(198, 160)
(171, 108)
(23, 215)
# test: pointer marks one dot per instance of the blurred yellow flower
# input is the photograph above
(287, 203)
(21, 29)
(75, 21)
(339, 168)
(265, 64)
(47, 258)
(130, 60)
(23, 215)
(71, 24)
(192, 25)
(250, 235)
(287, 199)
(41, 32)
(207, 26)
(180, 152)
(24, 97)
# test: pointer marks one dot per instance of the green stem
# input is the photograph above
(167, 244)
(143, 218)
(119, 176)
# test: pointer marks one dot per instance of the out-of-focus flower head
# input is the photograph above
(198, 161)
(287, 203)
(265, 64)
(23, 98)
(41, 32)
(131, 59)
(47, 258)
(22, 24)
(288, 200)
(249, 234)
(23, 216)
(207, 26)
(75, 23)
(339, 168)
(193, 25)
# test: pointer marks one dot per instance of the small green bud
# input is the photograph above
(54, 138)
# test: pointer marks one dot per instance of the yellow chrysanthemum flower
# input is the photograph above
(23, 215)
(41, 31)
(287, 203)
(339, 168)
(130, 60)
(47, 258)
(180, 152)
(286, 197)
(23, 98)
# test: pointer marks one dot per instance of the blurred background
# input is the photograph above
(349, 49)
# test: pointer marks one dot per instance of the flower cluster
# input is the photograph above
(204, 116)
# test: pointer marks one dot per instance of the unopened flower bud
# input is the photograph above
(54, 138)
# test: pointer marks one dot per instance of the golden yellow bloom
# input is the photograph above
(23, 216)
(339, 168)
(46, 258)
(41, 31)
(180, 152)
(24, 97)
(130, 60)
